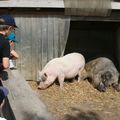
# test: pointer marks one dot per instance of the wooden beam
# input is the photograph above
(43, 4)
(24, 102)
(115, 5)
(33, 4)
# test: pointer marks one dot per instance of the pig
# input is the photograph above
(102, 73)
(61, 68)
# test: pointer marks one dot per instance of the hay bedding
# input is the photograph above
(80, 101)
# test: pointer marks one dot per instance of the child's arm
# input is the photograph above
(14, 54)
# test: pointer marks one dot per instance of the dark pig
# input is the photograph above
(102, 73)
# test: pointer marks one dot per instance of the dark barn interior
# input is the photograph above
(94, 39)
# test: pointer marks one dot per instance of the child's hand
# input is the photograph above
(11, 45)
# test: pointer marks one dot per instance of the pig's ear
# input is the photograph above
(44, 77)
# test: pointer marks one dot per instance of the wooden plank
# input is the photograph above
(34, 42)
(36, 46)
(61, 37)
(17, 44)
(66, 28)
(56, 37)
(115, 5)
(44, 40)
(43, 4)
(39, 45)
(50, 37)
(33, 3)
(26, 38)
(24, 102)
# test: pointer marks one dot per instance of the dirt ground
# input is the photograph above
(80, 101)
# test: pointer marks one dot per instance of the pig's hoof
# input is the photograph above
(116, 87)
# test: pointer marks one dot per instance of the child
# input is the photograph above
(3, 94)
(7, 25)
(13, 53)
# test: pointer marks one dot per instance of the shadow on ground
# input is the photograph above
(78, 114)
(30, 116)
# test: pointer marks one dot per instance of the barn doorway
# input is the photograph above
(94, 39)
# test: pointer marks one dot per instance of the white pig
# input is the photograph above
(66, 67)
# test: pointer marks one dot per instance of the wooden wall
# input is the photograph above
(42, 35)
(40, 39)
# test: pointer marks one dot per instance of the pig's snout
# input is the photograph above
(42, 86)
(101, 87)
(107, 83)
(38, 82)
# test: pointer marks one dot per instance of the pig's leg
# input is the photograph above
(61, 80)
(116, 86)
(80, 73)
(84, 75)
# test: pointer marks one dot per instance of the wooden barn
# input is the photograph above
(45, 31)
(52, 28)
